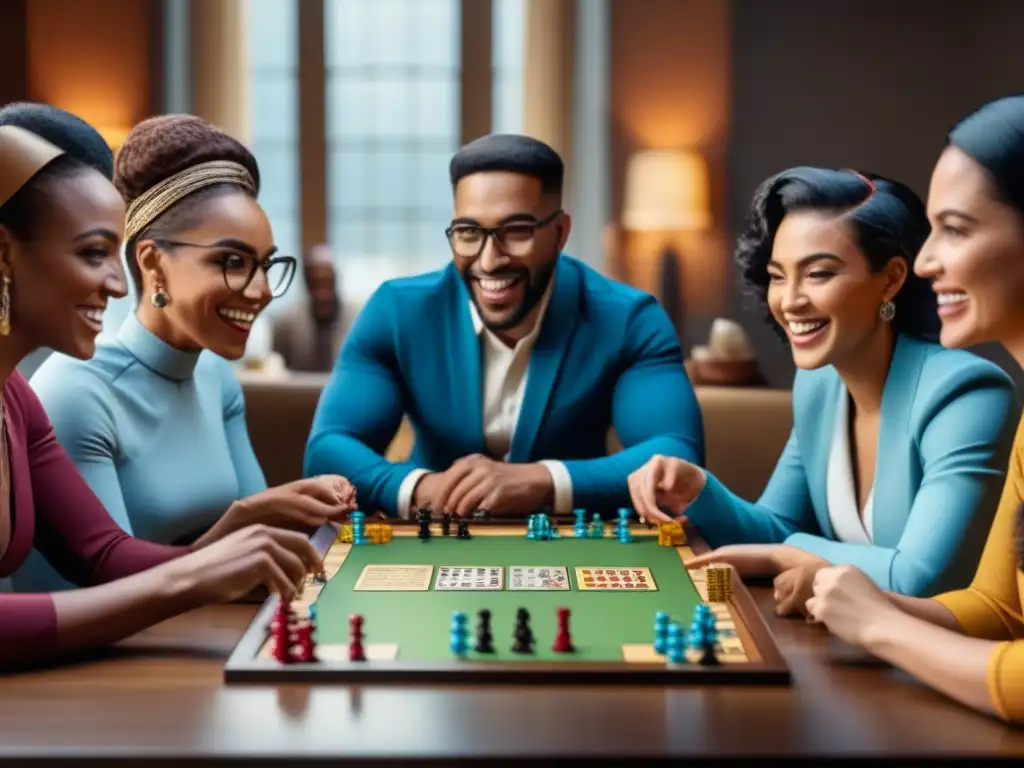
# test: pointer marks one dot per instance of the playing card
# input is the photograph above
(468, 577)
(625, 579)
(394, 578)
(534, 577)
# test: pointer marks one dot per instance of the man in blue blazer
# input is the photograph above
(511, 364)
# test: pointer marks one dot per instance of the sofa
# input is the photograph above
(745, 428)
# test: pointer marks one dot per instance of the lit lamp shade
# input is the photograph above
(666, 190)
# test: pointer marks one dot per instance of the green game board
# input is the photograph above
(419, 622)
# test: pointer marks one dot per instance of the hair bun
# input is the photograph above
(162, 146)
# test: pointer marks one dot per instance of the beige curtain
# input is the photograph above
(548, 77)
(220, 85)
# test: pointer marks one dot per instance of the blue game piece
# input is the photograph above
(459, 637)
(596, 527)
(661, 620)
(531, 527)
(312, 612)
(674, 648)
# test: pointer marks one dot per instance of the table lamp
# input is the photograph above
(667, 192)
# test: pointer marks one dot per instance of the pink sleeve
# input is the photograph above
(72, 529)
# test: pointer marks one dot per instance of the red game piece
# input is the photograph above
(281, 630)
(355, 648)
(563, 640)
(306, 646)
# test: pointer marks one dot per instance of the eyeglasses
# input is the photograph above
(240, 268)
(514, 238)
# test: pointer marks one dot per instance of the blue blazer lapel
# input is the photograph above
(465, 376)
(546, 359)
(891, 479)
(819, 413)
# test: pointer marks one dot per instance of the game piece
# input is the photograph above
(596, 527)
(312, 613)
(423, 518)
(484, 638)
(463, 532)
(661, 624)
(306, 651)
(719, 582)
(563, 640)
(523, 633)
(459, 636)
(281, 627)
(580, 529)
(356, 652)
(671, 535)
(531, 527)
(675, 649)
(446, 524)
(358, 528)
(622, 529)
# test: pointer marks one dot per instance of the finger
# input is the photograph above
(649, 496)
(813, 606)
(715, 556)
(310, 512)
(670, 475)
(452, 477)
(474, 496)
(466, 486)
(786, 601)
(300, 546)
(326, 488)
(269, 574)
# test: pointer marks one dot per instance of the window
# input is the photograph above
(393, 75)
(508, 42)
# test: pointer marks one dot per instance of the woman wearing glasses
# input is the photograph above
(155, 421)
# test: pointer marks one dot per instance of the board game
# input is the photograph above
(510, 603)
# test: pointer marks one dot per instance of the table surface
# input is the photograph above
(160, 695)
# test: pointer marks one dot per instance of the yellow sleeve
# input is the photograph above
(1006, 680)
(990, 607)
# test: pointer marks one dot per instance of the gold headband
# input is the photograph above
(154, 201)
(23, 154)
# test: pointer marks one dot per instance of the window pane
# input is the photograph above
(429, 238)
(349, 103)
(433, 188)
(346, 23)
(438, 107)
(508, 33)
(286, 236)
(348, 237)
(279, 182)
(437, 31)
(275, 106)
(391, 179)
(391, 238)
(508, 104)
(389, 29)
(392, 107)
(348, 178)
(273, 34)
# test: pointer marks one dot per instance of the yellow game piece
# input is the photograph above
(719, 583)
(345, 534)
(671, 535)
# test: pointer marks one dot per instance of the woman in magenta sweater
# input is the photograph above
(61, 226)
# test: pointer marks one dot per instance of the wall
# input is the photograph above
(13, 58)
(670, 82)
(873, 84)
(98, 59)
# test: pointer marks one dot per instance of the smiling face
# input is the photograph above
(974, 256)
(62, 279)
(202, 269)
(822, 291)
(507, 279)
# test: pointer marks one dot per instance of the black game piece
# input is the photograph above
(523, 633)
(484, 638)
(424, 521)
(463, 529)
(446, 524)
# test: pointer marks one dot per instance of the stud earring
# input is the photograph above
(888, 311)
(160, 298)
(5, 306)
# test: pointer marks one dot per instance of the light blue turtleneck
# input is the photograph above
(158, 434)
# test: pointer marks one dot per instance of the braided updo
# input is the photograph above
(160, 147)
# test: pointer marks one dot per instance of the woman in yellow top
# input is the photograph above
(968, 644)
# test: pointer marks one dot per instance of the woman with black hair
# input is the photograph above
(898, 445)
(968, 644)
(61, 226)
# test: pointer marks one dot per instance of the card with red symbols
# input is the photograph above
(624, 579)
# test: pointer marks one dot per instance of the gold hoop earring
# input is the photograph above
(5, 306)
(887, 311)
(160, 299)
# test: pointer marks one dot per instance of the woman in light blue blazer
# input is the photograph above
(899, 446)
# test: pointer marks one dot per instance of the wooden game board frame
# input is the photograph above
(765, 664)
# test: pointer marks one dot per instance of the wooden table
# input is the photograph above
(161, 698)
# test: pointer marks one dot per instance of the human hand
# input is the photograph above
(253, 558)
(794, 587)
(479, 483)
(301, 505)
(665, 483)
(757, 559)
(848, 603)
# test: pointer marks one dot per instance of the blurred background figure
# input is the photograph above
(309, 334)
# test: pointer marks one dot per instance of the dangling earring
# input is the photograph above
(5, 306)
(887, 311)
(160, 298)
